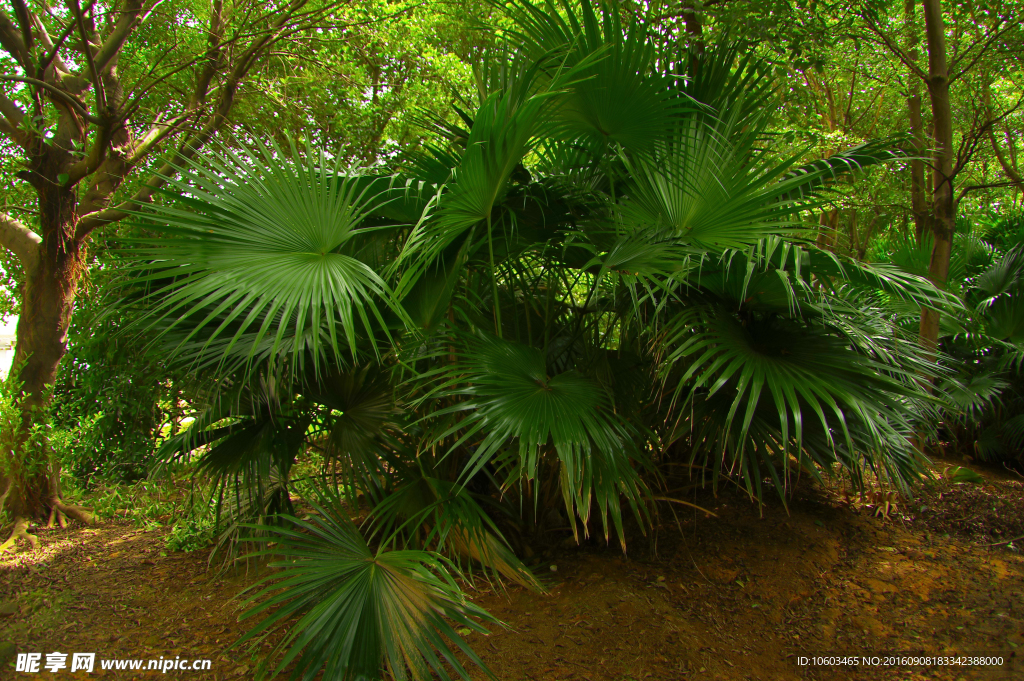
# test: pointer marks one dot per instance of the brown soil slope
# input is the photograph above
(737, 596)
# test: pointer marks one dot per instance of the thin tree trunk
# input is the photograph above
(854, 236)
(918, 200)
(695, 32)
(828, 223)
(943, 204)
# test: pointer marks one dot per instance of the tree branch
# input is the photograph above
(115, 167)
(900, 53)
(24, 16)
(190, 147)
(1011, 172)
(10, 40)
(111, 47)
(11, 111)
(60, 94)
(11, 117)
(982, 49)
(90, 62)
(214, 54)
(52, 56)
(22, 241)
(991, 185)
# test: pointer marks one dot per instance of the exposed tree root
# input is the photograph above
(79, 513)
(20, 532)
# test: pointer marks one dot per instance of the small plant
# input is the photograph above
(147, 504)
(959, 474)
(193, 532)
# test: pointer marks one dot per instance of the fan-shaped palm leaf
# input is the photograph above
(513, 402)
(789, 379)
(359, 611)
(256, 246)
(429, 511)
(616, 99)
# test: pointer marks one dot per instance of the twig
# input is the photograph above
(1008, 541)
(1013, 471)
(686, 503)
(75, 104)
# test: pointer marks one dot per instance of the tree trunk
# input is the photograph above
(828, 223)
(695, 33)
(32, 477)
(943, 218)
(58, 161)
(918, 200)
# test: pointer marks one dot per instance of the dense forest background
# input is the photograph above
(845, 73)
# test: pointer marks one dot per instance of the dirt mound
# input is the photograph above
(989, 513)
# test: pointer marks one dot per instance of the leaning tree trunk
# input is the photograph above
(33, 477)
(943, 218)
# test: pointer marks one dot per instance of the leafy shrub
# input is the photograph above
(611, 280)
(982, 339)
(123, 390)
(146, 503)
(194, 531)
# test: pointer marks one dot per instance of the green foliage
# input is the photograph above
(194, 531)
(959, 474)
(983, 338)
(112, 392)
(24, 456)
(360, 611)
(10, 421)
(536, 313)
(266, 228)
(147, 504)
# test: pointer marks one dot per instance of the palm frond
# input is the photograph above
(256, 247)
(359, 611)
(517, 413)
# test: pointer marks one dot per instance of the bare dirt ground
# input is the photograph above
(743, 595)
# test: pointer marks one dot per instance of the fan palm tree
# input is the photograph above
(599, 269)
(983, 345)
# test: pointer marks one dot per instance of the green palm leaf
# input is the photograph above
(618, 98)
(256, 250)
(768, 388)
(520, 413)
(429, 511)
(360, 612)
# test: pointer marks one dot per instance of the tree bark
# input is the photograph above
(695, 32)
(828, 223)
(918, 199)
(47, 301)
(98, 149)
(943, 219)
